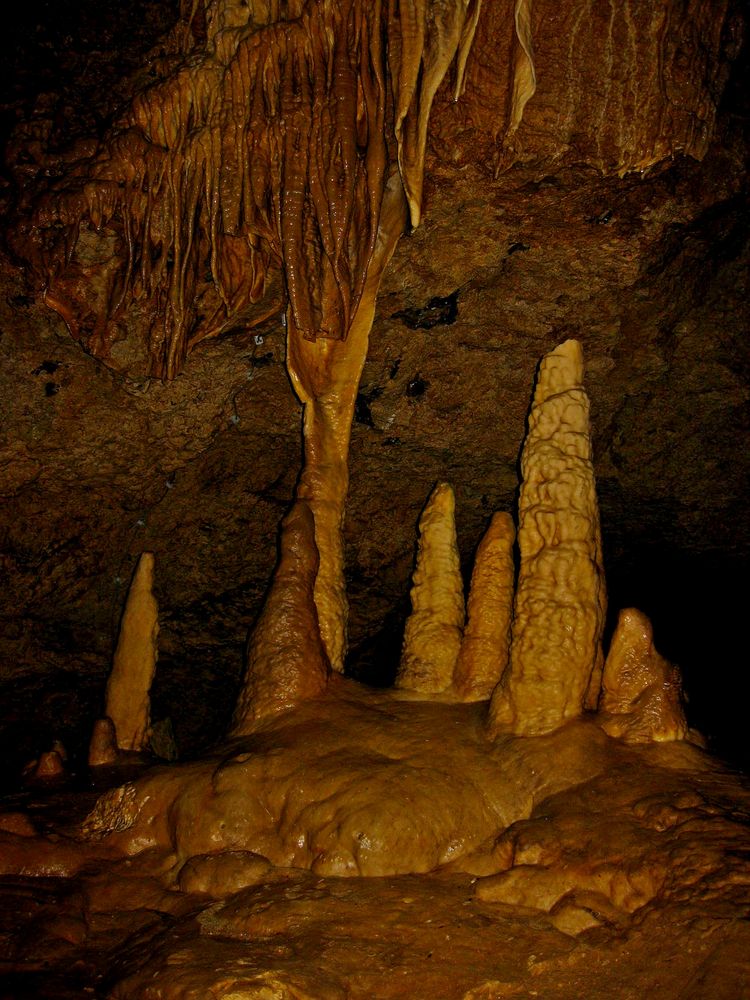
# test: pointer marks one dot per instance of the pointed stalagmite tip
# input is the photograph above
(560, 604)
(486, 640)
(432, 637)
(134, 662)
(286, 659)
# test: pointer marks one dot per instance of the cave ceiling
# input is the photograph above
(611, 207)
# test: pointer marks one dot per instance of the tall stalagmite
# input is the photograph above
(432, 638)
(127, 700)
(486, 641)
(286, 661)
(556, 658)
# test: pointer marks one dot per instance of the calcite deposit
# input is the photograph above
(485, 642)
(127, 701)
(434, 629)
(560, 603)
(517, 814)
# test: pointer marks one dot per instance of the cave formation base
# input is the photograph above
(581, 867)
(354, 842)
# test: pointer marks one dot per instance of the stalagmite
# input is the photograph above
(641, 692)
(103, 743)
(432, 638)
(286, 660)
(555, 659)
(486, 641)
(134, 663)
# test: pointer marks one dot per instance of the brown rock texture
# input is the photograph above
(609, 206)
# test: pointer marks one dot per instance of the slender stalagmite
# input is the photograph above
(286, 661)
(486, 642)
(134, 663)
(641, 699)
(556, 658)
(432, 638)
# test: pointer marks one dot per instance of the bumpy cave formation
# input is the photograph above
(411, 213)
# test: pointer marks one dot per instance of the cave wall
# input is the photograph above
(633, 240)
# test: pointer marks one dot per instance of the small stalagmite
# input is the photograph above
(103, 744)
(134, 663)
(486, 642)
(560, 604)
(641, 698)
(286, 660)
(432, 638)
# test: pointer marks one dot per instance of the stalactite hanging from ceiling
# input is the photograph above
(265, 148)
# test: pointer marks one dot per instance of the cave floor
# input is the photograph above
(623, 872)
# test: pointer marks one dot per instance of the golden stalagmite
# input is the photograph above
(134, 663)
(432, 638)
(555, 659)
(286, 661)
(641, 692)
(486, 641)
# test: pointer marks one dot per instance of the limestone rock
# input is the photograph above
(641, 696)
(486, 639)
(432, 638)
(559, 606)
(134, 663)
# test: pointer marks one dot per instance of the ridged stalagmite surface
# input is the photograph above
(641, 691)
(432, 638)
(559, 608)
(134, 663)
(486, 641)
(286, 661)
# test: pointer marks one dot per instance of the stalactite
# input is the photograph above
(486, 640)
(641, 698)
(524, 71)
(267, 150)
(422, 42)
(432, 638)
(134, 663)
(555, 659)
